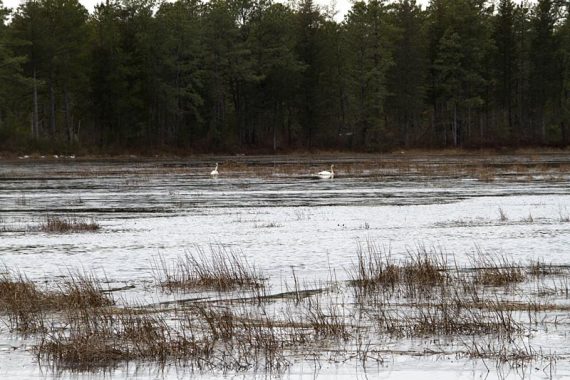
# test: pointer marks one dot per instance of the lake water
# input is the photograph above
(282, 221)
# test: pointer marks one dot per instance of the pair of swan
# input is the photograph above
(325, 174)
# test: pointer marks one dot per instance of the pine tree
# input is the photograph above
(13, 85)
(407, 77)
(543, 66)
(56, 30)
(180, 72)
(368, 33)
(505, 63)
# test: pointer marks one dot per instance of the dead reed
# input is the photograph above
(205, 338)
(423, 296)
(502, 215)
(375, 269)
(105, 338)
(326, 322)
(496, 270)
(22, 302)
(56, 224)
(26, 305)
(220, 269)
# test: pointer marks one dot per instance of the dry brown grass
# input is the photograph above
(496, 270)
(102, 338)
(375, 269)
(205, 338)
(22, 302)
(26, 305)
(328, 322)
(56, 224)
(539, 268)
(421, 296)
(221, 269)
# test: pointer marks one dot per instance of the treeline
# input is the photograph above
(260, 75)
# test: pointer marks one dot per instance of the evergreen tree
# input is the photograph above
(57, 35)
(109, 76)
(180, 72)
(460, 45)
(368, 34)
(13, 85)
(309, 23)
(407, 77)
(505, 63)
(544, 79)
(273, 44)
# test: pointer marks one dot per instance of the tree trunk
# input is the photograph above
(35, 117)
(455, 124)
(68, 121)
(52, 108)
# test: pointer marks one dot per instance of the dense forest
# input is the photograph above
(260, 75)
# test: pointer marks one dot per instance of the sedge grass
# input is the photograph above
(57, 224)
(219, 269)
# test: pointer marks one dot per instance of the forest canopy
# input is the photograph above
(260, 75)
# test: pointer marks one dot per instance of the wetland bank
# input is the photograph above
(402, 265)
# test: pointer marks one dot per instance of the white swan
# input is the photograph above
(215, 171)
(325, 174)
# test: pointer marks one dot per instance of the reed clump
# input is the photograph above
(375, 269)
(220, 269)
(56, 224)
(441, 299)
(26, 305)
(326, 322)
(420, 297)
(205, 338)
(104, 338)
(22, 302)
(82, 290)
(496, 270)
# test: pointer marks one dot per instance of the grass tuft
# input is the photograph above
(56, 224)
(221, 269)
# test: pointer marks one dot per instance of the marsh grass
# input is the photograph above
(22, 200)
(22, 302)
(57, 224)
(496, 270)
(427, 294)
(424, 296)
(328, 322)
(268, 225)
(528, 219)
(105, 338)
(220, 269)
(82, 290)
(375, 269)
(563, 215)
(539, 268)
(205, 338)
(502, 215)
(26, 305)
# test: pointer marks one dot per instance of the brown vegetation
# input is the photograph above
(26, 305)
(424, 295)
(56, 224)
(220, 269)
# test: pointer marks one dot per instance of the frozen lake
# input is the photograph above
(274, 212)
